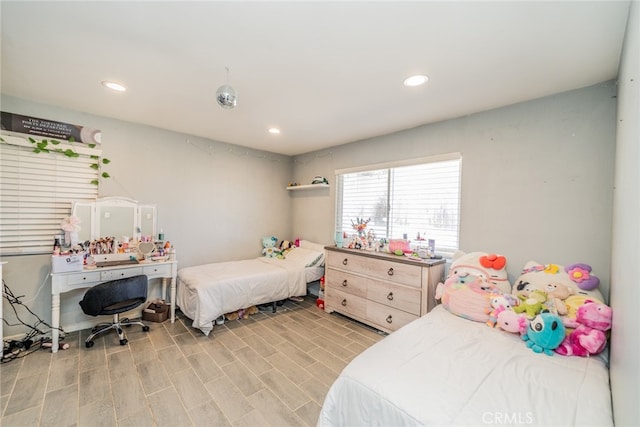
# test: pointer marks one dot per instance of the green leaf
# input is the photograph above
(92, 145)
(95, 182)
(94, 157)
(1, 139)
(70, 153)
(72, 139)
(37, 150)
(94, 166)
(105, 175)
(106, 161)
(55, 142)
(33, 141)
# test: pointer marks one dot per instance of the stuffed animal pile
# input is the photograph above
(554, 308)
(568, 294)
(271, 249)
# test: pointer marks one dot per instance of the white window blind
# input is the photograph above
(418, 199)
(36, 193)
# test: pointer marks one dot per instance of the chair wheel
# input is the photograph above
(89, 344)
(124, 342)
(145, 328)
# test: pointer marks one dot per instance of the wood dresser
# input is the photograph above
(383, 290)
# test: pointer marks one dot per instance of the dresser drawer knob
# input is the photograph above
(390, 272)
(344, 261)
(390, 296)
(389, 319)
(344, 302)
(344, 283)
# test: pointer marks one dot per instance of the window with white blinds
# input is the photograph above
(36, 193)
(418, 199)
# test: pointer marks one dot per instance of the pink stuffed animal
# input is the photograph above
(499, 302)
(466, 295)
(592, 321)
(510, 321)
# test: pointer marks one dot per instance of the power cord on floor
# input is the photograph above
(13, 349)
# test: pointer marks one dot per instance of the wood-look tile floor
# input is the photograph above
(271, 369)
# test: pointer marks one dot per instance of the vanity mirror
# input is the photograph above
(117, 217)
(146, 249)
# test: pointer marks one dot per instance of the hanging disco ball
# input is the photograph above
(226, 96)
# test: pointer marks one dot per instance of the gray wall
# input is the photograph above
(215, 201)
(537, 178)
(625, 296)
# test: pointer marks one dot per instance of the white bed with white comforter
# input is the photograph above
(445, 370)
(206, 292)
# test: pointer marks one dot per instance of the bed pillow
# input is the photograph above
(305, 257)
(467, 296)
(311, 245)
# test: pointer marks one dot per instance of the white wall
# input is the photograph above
(215, 201)
(537, 178)
(625, 268)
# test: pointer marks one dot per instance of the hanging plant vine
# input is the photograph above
(42, 146)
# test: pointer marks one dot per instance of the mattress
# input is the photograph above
(206, 292)
(445, 370)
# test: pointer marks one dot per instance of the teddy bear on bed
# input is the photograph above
(560, 281)
(510, 321)
(533, 304)
(545, 333)
(472, 278)
(593, 320)
(566, 287)
(499, 302)
(284, 248)
(492, 268)
(269, 246)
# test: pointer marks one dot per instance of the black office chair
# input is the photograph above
(113, 298)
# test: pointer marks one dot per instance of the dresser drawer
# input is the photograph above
(406, 274)
(84, 277)
(346, 282)
(387, 318)
(345, 303)
(120, 273)
(157, 270)
(348, 262)
(396, 296)
(397, 272)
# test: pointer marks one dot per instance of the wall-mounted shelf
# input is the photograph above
(308, 186)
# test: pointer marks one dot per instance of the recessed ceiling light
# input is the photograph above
(114, 86)
(274, 131)
(415, 80)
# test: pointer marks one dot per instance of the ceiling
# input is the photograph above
(325, 73)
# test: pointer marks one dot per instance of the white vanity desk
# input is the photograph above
(65, 282)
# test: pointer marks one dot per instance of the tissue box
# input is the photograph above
(66, 263)
(156, 312)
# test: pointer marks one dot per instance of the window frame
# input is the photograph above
(454, 156)
(38, 189)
